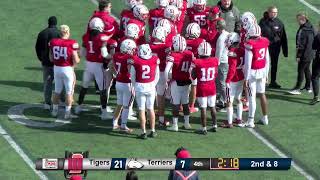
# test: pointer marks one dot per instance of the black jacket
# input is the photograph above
(42, 48)
(316, 43)
(231, 16)
(274, 30)
(304, 41)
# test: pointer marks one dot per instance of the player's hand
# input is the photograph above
(228, 85)
(246, 84)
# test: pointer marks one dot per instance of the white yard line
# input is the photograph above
(310, 6)
(21, 153)
(280, 153)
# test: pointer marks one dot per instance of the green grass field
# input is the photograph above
(294, 125)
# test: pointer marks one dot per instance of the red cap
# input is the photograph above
(184, 154)
(215, 10)
(76, 177)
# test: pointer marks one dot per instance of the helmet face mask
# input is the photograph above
(159, 33)
(232, 39)
(141, 12)
(171, 12)
(253, 32)
(165, 23)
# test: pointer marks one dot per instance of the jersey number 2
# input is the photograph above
(145, 72)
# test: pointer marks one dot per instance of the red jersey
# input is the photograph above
(121, 65)
(214, 34)
(142, 27)
(206, 71)
(145, 69)
(174, 32)
(200, 18)
(236, 63)
(159, 50)
(62, 50)
(193, 44)
(125, 17)
(93, 46)
(155, 15)
(259, 49)
(180, 21)
(110, 24)
(181, 64)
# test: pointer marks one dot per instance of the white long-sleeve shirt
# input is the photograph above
(221, 48)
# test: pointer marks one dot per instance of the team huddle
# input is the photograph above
(179, 60)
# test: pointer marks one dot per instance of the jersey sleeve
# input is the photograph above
(232, 61)
(75, 45)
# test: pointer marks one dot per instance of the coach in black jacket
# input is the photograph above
(305, 53)
(273, 29)
(316, 69)
(42, 50)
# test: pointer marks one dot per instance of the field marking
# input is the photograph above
(21, 153)
(280, 153)
(313, 8)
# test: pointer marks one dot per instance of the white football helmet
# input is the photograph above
(162, 3)
(204, 49)
(144, 51)
(128, 46)
(159, 33)
(177, 3)
(199, 5)
(248, 19)
(130, 3)
(141, 12)
(232, 38)
(96, 24)
(171, 12)
(132, 31)
(179, 43)
(193, 30)
(165, 23)
(253, 31)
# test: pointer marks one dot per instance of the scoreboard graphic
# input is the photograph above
(80, 163)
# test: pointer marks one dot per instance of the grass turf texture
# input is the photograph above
(293, 124)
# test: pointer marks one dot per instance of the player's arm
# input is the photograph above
(192, 71)
(75, 57)
(219, 48)
(133, 75)
(157, 72)
(168, 67)
(232, 66)
(267, 62)
(247, 65)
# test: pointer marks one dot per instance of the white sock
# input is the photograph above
(55, 107)
(204, 128)
(175, 121)
(186, 119)
(144, 131)
(124, 117)
(230, 114)
(153, 130)
(161, 119)
(252, 106)
(214, 126)
(265, 117)
(114, 122)
(239, 110)
(250, 120)
(68, 108)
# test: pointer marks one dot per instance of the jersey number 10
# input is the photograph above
(207, 74)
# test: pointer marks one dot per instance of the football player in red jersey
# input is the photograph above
(141, 14)
(111, 26)
(178, 63)
(126, 15)
(199, 14)
(171, 13)
(192, 35)
(160, 49)
(214, 17)
(64, 55)
(234, 81)
(94, 48)
(182, 7)
(205, 70)
(144, 77)
(157, 14)
(256, 72)
(125, 91)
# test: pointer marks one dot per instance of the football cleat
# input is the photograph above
(249, 123)
(143, 136)
(214, 128)
(187, 126)
(295, 92)
(238, 122)
(54, 112)
(109, 109)
(115, 127)
(264, 120)
(78, 109)
(166, 123)
(126, 130)
(153, 134)
(173, 128)
(201, 131)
